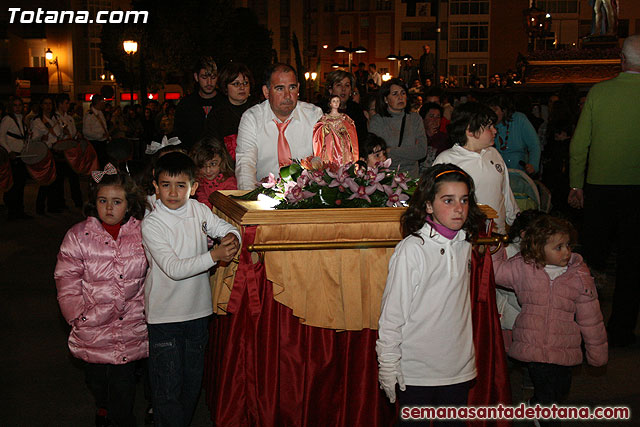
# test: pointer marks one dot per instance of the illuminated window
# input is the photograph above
(469, 37)
(469, 7)
(96, 65)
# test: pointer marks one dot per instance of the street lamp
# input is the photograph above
(130, 47)
(399, 57)
(49, 56)
(351, 50)
(310, 76)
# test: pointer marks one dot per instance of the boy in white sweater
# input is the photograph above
(177, 292)
(472, 132)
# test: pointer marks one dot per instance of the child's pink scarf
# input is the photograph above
(441, 229)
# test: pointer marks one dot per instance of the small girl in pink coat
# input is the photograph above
(99, 276)
(215, 169)
(559, 308)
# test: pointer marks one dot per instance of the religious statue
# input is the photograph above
(334, 136)
(605, 17)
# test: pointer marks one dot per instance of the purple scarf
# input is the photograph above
(441, 229)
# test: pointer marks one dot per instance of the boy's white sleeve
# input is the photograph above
(218, 227)
(154, 239)
(405, 273)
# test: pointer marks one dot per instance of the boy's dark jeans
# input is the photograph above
(176, 366)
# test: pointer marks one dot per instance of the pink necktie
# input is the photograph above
(284, 151)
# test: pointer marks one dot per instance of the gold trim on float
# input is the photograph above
(498, 239)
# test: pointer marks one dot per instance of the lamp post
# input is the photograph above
(130, 47)
(351, 50)
(310, 76)
(399, 57)
(49, 56)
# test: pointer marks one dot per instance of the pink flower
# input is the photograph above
(293, 193)
(395, 197)
(361, 191)
(304, 179)
(374, 178)
(386, 164)
(340, 177)
(318, 177)
(400, 180)
(271, 181)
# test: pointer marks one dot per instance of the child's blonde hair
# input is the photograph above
(206, 148)
(538, 233)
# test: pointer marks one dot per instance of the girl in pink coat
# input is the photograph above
(99, 276)
(215, 169)
(560, 307)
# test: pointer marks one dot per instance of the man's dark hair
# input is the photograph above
(174, 164)
(373, 66)
(205, 63)
(275, 68)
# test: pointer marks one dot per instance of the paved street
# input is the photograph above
(42, 385)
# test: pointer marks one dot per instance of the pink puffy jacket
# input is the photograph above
(101, 293)
(554, 314)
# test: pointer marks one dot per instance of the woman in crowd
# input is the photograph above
(235, 82)
(403, 131)
(517, 140)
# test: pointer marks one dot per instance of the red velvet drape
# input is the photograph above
(264, 368)
(492, 386)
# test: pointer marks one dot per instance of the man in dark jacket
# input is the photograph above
(193, 109)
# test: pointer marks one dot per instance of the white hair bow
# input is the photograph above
(155, 146)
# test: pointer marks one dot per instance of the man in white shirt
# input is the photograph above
(12, 138)
(94, 127)
(261, 147)
(375, 75)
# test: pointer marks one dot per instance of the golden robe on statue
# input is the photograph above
(335, 139)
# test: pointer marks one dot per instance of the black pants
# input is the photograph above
(14, 198)
(64, 171)
(446, 395)
(551, 384)
(612, 217)
(101, 151)
(114, 389)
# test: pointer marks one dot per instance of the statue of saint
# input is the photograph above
(334, 136)
(605, 17)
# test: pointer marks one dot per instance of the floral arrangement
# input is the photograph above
(312, 184)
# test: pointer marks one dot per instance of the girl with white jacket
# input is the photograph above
(425, 342)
